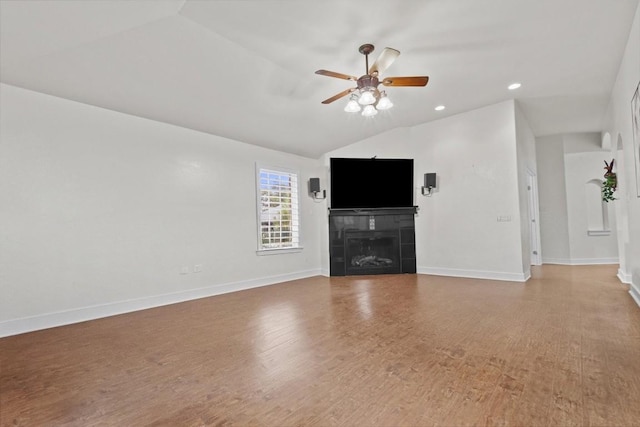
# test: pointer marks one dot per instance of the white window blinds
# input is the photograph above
(278, 209)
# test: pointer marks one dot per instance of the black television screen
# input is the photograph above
(371, 183)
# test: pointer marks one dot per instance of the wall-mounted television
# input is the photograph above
(371, 183)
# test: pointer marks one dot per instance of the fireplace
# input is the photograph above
(378, 241)
(372, 252)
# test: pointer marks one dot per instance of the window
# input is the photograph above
(277, 209)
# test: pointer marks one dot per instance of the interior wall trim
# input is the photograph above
(83, 314)
(580, 261)
(624, 277)
(476, 274)
(635, 293)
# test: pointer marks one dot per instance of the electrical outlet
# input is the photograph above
(197, 268)
(504, 218)
(184, 269)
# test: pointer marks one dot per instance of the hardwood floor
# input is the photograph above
(562, 349)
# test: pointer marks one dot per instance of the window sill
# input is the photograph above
(262, 252)
(599, 232)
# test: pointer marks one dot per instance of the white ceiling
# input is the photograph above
(245, 69)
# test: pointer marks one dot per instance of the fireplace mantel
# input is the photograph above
(372, 241)
(411, 210)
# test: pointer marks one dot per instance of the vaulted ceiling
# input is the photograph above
(245, 69)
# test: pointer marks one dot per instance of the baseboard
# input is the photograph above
(476, 274)
(561, 261)
(635, 293)
(624, 277)
(83, 314)
(580, 261)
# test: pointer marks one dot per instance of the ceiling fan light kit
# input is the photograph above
(384, 103)
(352, 106)
(369, 111)
(366, 96)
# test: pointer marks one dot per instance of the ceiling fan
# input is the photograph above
(366, 92)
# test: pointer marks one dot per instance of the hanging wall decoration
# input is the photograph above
(610, 182)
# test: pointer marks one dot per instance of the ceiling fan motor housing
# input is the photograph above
(368, 81)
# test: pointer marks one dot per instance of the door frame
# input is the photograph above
(535, 250)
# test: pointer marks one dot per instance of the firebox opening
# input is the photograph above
(369, 255)
(371, 252)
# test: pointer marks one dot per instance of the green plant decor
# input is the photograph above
(610, 182)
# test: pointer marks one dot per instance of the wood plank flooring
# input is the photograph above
(562, 349)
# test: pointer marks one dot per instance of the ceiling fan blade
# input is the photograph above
(386, 58)
(406, 81)
(338, 96)
(336, 75)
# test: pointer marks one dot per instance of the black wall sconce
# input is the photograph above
(429, 184)
(314, 189)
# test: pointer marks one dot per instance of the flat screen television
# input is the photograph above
(371, 183)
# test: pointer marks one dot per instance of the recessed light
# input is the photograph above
(514, 86)
(440, 107)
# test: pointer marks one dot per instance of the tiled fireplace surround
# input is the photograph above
(372, 241)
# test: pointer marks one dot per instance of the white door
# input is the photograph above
(534, 225)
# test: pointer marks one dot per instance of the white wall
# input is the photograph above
(554, 226)
(586, 247)
(584, 160)
(622, 204)
(100, 210)
(618, 125)
(474, 155)
(566, 163)
(582, 142)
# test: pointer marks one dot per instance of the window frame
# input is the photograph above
(278, 250)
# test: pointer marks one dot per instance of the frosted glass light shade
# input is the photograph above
(384, 103)
(352, 106)
(366, 98)
(369, 111)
